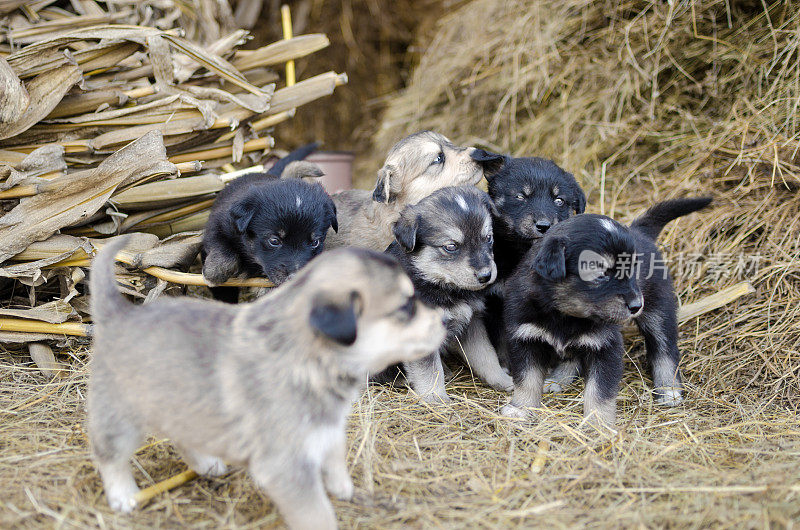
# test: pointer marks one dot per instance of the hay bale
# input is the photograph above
(643, 102)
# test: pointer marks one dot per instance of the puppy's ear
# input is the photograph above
(330, 208)
(383, 186)
(580, 201)
(491, 205)
(302, 169)
(492, 162)
(550, 262)
(242, 213)
(335, 320)
(405, 231)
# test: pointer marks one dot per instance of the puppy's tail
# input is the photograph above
(656, 218)
(298, 154)
(106, 299)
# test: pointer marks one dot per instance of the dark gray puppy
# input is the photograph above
(444, 242)
(266, 384)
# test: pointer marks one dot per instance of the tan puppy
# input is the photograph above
(415, 167)
(266, 384)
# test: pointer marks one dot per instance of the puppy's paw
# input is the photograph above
(594, 424)
(433, 398)
(217, 268)
(340, 485)
(202, 464)
(122, 497)
(552, 386)
(669, 396)
(501, 382)
(515, 413)
(211, 466)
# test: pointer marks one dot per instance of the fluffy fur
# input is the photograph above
(445, 245)
(262, 225)
(570, 296)
(266, 384)
(415, 167)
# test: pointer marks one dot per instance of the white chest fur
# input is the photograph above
(533, 332)
(459, 314)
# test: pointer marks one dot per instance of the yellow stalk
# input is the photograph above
(286, 21)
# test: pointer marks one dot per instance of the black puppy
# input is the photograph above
(531, 195)
(570, 296)
(264, 225)
(444, 243)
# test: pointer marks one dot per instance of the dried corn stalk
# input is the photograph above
(113, 118)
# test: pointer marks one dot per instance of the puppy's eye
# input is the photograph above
(450, 248)
(274, 241)
(559, 201)
(315, 243)
(439, 159)
(520, 197)
(409, 309)
(489, 238)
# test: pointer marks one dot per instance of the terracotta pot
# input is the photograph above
(337, 166)
(338, 169)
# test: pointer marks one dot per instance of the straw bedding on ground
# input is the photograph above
(723, 459)
(663, 100)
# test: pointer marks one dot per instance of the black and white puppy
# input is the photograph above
(570, 296)
(444, 243)
(265, 225)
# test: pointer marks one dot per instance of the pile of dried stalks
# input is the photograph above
(645, 101)
(119, 117)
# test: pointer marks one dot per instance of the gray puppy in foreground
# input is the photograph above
(266, 384)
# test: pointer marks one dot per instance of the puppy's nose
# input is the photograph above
(635, 305)
(543, 225)
(484, 276)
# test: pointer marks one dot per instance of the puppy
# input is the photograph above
(531, 195)
(415, 167)
(444, 243)
(267, 384)
(264, 225)
(570, 296)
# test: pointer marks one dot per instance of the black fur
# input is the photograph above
(653, 220)
(515, 223)
(336, 321)
(522, 189)
(582, 312)
(257, 228)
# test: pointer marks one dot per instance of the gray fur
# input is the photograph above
(407, 176)
(252, 384)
